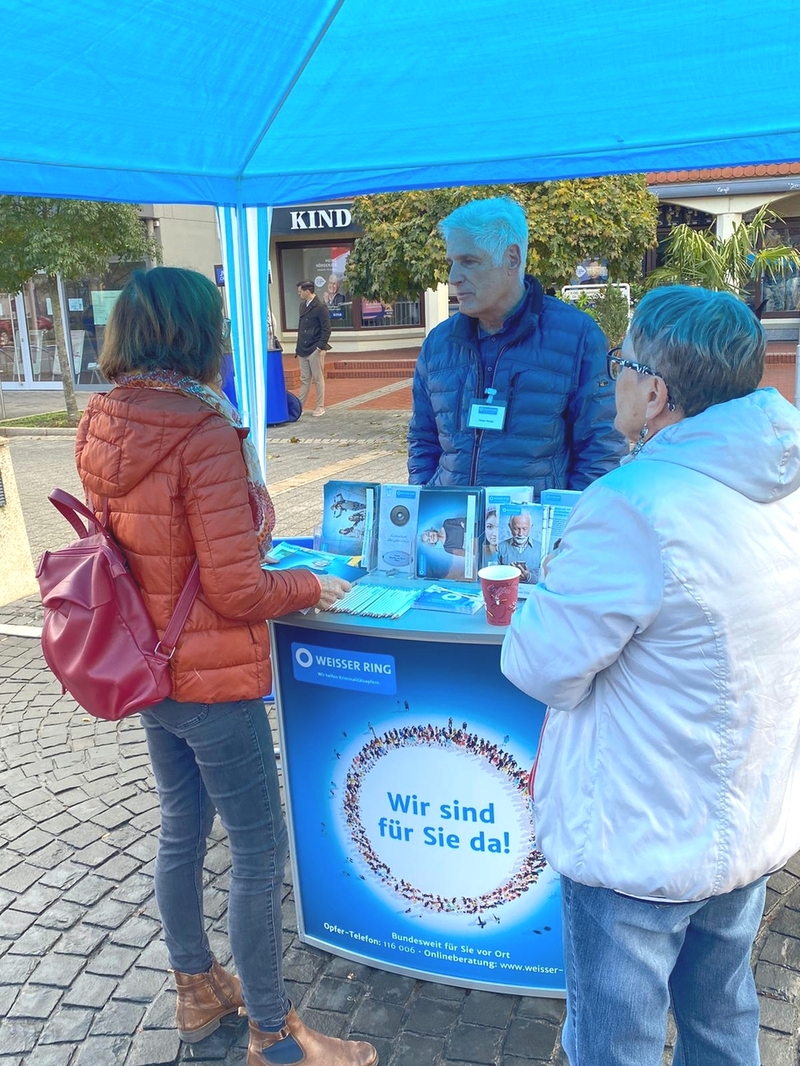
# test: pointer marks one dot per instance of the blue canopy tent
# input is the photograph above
(262, 102)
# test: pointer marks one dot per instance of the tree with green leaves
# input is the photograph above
(725, 264)
(401, 252)
(71, 238)
(609, 308)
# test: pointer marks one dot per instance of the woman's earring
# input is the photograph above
(640, 442)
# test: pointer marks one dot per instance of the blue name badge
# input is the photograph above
(486, 415)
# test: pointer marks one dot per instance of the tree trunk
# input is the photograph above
(70, 402)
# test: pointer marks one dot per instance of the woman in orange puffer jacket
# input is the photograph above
(166, 453)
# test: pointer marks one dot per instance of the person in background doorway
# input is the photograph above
(313, 334)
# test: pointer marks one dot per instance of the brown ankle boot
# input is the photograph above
(313, 1049)
(203, 1000)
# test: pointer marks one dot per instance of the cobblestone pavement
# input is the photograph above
(82, 963)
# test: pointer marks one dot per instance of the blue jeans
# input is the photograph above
(627, 960)
(211, 757)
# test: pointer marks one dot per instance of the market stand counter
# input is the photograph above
(406, 761)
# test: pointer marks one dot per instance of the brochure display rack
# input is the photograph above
(406, 756)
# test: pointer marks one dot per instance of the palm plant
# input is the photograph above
(700, 257)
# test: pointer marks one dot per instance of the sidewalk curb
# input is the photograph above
(37, 431)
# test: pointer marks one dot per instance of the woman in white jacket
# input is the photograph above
(665, 639)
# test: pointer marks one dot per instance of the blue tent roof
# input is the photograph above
(274, 102)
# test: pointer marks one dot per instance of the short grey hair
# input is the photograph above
(707, 346)
(493, 224)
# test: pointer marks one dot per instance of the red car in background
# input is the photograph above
(6, 333)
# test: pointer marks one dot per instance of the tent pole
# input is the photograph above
(244, 236)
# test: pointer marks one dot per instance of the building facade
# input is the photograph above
(311, 242)
(29, 355)
(724, 198)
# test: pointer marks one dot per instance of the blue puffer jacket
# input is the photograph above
(551, 373)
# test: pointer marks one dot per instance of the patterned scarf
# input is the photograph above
(260, 502)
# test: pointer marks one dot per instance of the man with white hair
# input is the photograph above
(513, 390)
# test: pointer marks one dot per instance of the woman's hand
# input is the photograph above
(333, 588)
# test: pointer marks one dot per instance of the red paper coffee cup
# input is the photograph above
(500, 588)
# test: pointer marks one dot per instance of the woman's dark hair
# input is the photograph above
(165, 319)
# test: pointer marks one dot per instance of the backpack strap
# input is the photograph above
(166, 646)
(70, 508)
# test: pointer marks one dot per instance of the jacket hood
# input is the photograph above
(751, 444)
(124, 434)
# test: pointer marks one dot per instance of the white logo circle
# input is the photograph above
(303, 657)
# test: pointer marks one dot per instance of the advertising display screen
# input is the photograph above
(406, 764)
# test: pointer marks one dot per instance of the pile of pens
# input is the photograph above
(375, 601)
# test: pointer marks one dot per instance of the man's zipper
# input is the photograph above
(473, 470)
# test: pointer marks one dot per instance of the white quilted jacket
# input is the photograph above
(667, 643)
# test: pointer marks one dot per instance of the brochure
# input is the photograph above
(348, 519)
(533, 529)
(447, 533)
(494, 498)
(439, 598)
(397, 527)
(558, 504)
(523, 545)
(287, 556)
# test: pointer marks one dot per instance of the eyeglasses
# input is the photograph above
(615, 364)
(226, 329)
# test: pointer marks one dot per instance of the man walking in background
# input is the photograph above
(313, 334)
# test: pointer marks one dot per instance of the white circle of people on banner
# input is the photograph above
(443, 817)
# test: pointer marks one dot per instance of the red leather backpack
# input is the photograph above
(98, 638)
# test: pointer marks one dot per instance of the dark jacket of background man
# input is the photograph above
(313, 328)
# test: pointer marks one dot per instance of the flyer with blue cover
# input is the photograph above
(348, 518)
(494, 529)
(286, 556)
(447, 534)
(441, 598)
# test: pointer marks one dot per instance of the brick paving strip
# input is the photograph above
(82, 963)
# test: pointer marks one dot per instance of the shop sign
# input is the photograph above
(312, 219)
